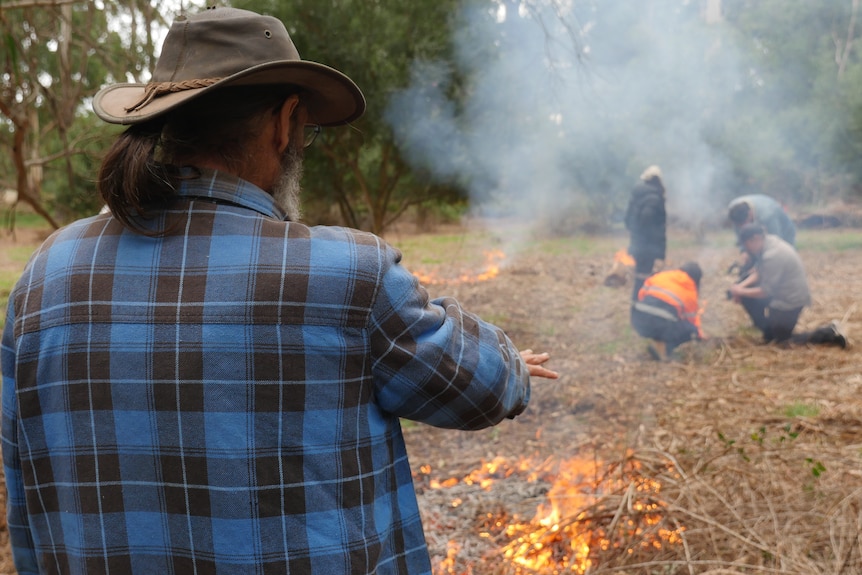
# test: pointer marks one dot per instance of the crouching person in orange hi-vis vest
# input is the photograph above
(666, 309)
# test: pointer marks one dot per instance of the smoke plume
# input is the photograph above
(550, 111)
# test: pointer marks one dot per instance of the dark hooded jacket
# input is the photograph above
(646, 219)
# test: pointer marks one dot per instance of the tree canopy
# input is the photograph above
(543, 109)
(56, 55)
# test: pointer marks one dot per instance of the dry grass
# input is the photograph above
(738, 458)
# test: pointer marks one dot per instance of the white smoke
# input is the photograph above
(555, 109)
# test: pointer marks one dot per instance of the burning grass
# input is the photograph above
(738, 459)
(488, 270)
(746, 460)
(765, 508)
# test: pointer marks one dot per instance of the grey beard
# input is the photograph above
(287, 188)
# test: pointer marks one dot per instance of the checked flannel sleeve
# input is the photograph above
(436, 363)
(16, 509)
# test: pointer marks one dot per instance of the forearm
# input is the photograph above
(436, 363)
(750, 280)
(755, 292)
(748, 288)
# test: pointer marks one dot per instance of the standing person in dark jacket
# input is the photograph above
(646, 221)
(194, 381)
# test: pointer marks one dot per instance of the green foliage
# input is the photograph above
(817, 467)
(358, 169)
(54, 60)
(802, 92)
(582, 245)
(555, 109)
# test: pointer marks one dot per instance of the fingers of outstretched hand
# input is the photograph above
(539, 371)
(534, 363)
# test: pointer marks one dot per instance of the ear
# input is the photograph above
(284, 127)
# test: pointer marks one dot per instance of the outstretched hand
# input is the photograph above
(534, 363)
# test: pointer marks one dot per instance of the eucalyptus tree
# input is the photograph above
(359, 168)
(797, 138)
(56, 55)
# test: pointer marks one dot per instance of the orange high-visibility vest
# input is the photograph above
(676, 288)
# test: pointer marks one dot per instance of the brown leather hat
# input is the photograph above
(222, 47)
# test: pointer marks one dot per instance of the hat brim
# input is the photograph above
(333, 98)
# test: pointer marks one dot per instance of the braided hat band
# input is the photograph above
(155, 89)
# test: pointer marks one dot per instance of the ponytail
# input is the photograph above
(130, 180)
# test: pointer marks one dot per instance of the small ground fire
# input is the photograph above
(489, 270)
(590, 507)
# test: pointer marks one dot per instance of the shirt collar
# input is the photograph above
(225, 187)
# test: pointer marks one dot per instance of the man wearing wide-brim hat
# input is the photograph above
(194, 381)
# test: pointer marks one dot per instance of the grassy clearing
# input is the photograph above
(15, 254)
(434, 249)
(24, 220)
(837, 240)
(6, 284)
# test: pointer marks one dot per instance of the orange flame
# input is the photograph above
(490, 270)
(567, 531)
(447, 566)
(624, 258)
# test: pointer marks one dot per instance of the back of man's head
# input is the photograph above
(749, 231)
(219, 75)
(692, 269)
(739, 213)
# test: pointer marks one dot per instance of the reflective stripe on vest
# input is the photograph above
(678, 303)
(680, 289)
(656, 311)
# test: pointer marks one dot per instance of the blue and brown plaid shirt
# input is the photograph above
(226, 398)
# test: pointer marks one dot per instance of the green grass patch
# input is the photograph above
(430, 261)
(7, 282)
(837, 240)
(8, 277)
(473, 244)
(19, 254)
(798, 409)
(429, 249)
(24, 219)
(582, 245)
(408, 424)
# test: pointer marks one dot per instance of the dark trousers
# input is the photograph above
(673, 333)
(776, 324)
(643, 270)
